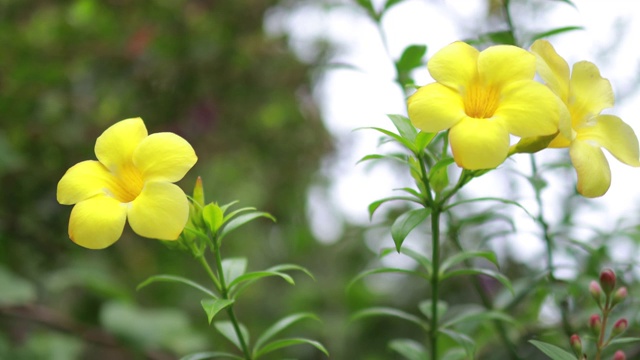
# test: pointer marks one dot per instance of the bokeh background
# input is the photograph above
(268, 93)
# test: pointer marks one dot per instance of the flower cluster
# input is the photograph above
(482, 98)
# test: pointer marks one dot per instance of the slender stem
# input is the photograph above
(225, 295)
(209, 271)
(546, 234)
(435, 278)
(507, 16)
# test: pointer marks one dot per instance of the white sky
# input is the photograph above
(350, 99)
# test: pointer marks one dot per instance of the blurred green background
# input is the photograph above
(207, 71)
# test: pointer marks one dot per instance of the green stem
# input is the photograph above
(546, 234)
(225, 295)
(435, 278)
(507, 16)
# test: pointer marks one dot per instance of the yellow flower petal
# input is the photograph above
(159, 212)
(552, 68)
(82, 181)
(560, 141)
(528, 109)
(115, 146)
(479, 143)
(614, 135)
(503, 64)
(590, 93)
(97, 222)
(594, 175)
(164, 157)
(455, 65)
(435, 107)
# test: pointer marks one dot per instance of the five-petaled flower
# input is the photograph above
(132, 179)
(585, 94)
(482, 97)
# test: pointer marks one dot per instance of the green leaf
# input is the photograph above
(410, 349)
(176, 279)
(391, 3)
(384, 311)
(463, 340)
(407, 222)
(211, 355)
(213, 306)
(460, 257)
(289, 267)
(225, 207)
(240, 286)
(474, 271)
(227, 330)
(504, 201)
(279, 344)
(376, 204)
(382, 271)
(423, 139)
(252, 276)
(405, 142)
(281, 325)
(438, 175)
(368, 7)
(410, 59)
(213, 216)
(552, 351)
(455, 354)
(556, 31)
(404, 126)
(624, 340)
(241, 220)
(233, 268)
(475, 314)
(402, 158)
(425, 308)
(416, 256)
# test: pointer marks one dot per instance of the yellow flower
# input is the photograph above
(132, 179)
(585, 94)
(482, 97)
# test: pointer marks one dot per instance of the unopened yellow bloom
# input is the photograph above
(132, 179)
(585, 94)
(482, 97)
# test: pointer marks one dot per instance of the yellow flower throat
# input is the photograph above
(481, 102)
(127, 184)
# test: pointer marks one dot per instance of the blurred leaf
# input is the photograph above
(15, 290)
(211, 355)
(213, 216)
(624, 340)
(479, 314)
(256, 275)
(233, 268)
(241, 220)
(404, 126)
(425, 308)
(410, 59)
(463, 340)
(176, 279)
(289, 267)
(554, 352)
(498, 38)
(241, 286)
(407, 222)
(419, 258)
(384, 311)
(213, 306)
(280, 326)
(410, 349)
(279, 344)
(504, 201)
(401, 140)
(367, 5)
(383, 271)
(474, 271)
(402, 158)
(569, 2)
(465, 255)
(438, 175)
(376, 204)
(555, 32)
(391, 3)
(423, 139)
(455, 354)
(227, 330)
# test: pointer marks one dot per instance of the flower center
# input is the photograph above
(481, 102)
(128, 183)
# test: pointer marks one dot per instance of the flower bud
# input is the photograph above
(596, 291)
(619, 296)
(607, 281)
(576, 345)
(619, 327)
(595, 324)
(619, 355)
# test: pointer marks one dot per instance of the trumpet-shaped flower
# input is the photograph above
(585, 94)
(132, 179)
(482, 97)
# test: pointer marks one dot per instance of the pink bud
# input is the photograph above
(619, 355)
(607, 281)
(619, 296)
(576, 345)
(596, 291)
(619, 327)
(595, 324)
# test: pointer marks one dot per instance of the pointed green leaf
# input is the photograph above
(227, 330)
(410, 59)
(241, 220)
(410, 349)
(455, 354)
(367, 5)
(404, 125)
(376, 204)
(465, 255)
(213, 306)
(391, 3)
(383, 271)
(474, 314)
(252, 276)
(439, 176)
(213, 216)
(225, 207)
(402, 158)
(281, 325)
(384, 311)
(176, 279)
(240, 286)
(283, 343)
(406, 143)
(504, 201)
(290, 267)
(426, 310)
(624, 340)
(552, 351)
(423, 139)
(407, 222)
(416, 256)
(474, 271)
(556, 31)
(463, 340)
(233, 268)
(211, 355)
